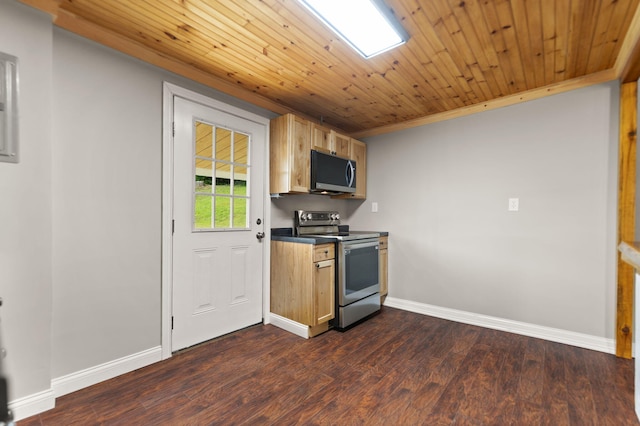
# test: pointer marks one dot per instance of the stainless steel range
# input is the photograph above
(357, 264)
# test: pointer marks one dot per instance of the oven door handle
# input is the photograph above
(359, 245)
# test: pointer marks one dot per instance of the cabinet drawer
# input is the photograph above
(323, 252)
(384, 242)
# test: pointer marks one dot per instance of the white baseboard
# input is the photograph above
(43, 401)
(90, 376)
(289, 325)
(580, 340)
(637, 399)
(32, 404)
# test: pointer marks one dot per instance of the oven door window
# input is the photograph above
(361, 268)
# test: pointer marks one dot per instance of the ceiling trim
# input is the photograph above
(84, 28)
(628, 62)
(552, 89)
(49, 6)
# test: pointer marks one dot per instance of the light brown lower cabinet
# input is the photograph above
(384, 268)
(302, 283)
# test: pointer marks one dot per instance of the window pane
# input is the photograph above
(223, 178)
(239, 180)
(223, 144)
(202, 211)
(204, 140)
(222, 212)
(240, 146)
(203, 176)
(240, 213)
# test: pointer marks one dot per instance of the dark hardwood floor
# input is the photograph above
(398, 368)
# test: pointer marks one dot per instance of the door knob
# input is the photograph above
(260, 236)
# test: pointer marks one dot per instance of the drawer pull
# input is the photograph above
(324, 264)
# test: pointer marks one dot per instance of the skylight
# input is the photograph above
(368, 26)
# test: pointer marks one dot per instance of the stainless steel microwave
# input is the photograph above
(333, 174)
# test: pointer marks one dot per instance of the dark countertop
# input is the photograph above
(302, 240)
(286, 234)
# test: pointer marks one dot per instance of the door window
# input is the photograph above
(221, 165)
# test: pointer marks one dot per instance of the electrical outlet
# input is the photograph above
(374, 207)
(514, 204)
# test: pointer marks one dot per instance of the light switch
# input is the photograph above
(374, 207)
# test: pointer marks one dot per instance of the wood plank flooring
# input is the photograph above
(398, 368)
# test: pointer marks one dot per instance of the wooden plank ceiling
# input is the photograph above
(274, 53)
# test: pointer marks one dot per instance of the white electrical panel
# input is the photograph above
(8, 108)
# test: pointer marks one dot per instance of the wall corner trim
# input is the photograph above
(289, 325)
(566, 337)
(32, 404)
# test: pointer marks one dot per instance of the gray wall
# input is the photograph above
(106, 206)
(282, 208)
(25, 207)
(442, 191)
(107, 174)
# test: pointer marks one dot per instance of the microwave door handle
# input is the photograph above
(350, 173)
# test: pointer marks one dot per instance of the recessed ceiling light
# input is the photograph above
(368, 26)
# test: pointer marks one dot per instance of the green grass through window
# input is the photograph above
(222, 199)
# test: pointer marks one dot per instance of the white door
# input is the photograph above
(218, 214)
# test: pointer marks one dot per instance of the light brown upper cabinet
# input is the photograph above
(329, 141)
(341, 144)
(321, 138)
(293, 138)
(358, 153)
(290, 149)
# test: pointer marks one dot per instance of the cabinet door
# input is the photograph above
(290, 158)
(384, 266)
(321, 138)
(324, 291)
(359, 154)
(300, 161)
(341, 144)
(384, 272)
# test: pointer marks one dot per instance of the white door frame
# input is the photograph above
(168, 92)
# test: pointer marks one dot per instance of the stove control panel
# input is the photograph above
(316, 218)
